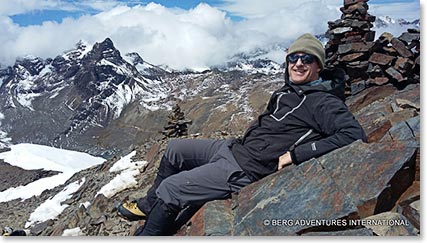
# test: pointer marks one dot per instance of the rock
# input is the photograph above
(381, 59)
(402, 131)
(390, 224)
(350, 2)
(297, 192)
(214, 219)
(375, 71)
(98, 207)
(350, 232)
(403, 64)
(135, 226)
(354, 47)
(369, 96)
(409, 97)
(408, 38)
(351, 57)
(153, 153)
(407, 204)
(360, 7)
(401, 48)
(40, 227)
(357, 87)
(58, 230)
(378, 81)
(381, 172)
(395, 74)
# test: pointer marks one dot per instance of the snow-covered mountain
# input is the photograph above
(394, 26)
(386, 21)
(93, 99)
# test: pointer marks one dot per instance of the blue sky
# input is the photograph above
(179, 33)
(38, 16)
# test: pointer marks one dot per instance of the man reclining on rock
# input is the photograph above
(304, 119)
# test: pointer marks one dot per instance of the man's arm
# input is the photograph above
(338, 126)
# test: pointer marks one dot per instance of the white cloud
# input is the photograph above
(197, 38)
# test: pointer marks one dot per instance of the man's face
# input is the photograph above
(300, 68)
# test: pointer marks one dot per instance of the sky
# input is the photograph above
(182, 34)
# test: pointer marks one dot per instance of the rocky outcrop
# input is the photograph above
(13, 176)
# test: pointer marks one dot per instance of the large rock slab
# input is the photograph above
(214, 219)
(373, 175)
(276, 204)
(349, 232)
(369, 96)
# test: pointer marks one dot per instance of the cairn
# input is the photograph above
(177, 124)
(351, 46)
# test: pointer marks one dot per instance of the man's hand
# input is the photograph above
(284, 160)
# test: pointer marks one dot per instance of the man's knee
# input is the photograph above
(169, 192)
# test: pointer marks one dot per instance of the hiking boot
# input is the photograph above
(130, 211)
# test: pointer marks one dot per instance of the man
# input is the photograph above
(304, 119)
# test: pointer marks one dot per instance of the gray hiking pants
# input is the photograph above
(208, 171)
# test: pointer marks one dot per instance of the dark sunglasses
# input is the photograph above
(305, 58)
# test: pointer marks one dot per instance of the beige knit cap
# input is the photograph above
(309, 44)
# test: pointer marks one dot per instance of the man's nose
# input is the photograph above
(299, 62)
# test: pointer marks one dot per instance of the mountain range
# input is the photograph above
(95, 99)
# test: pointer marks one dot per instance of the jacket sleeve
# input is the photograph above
(337, 126)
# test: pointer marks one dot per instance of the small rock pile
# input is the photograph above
(368, 62)
(177, 124)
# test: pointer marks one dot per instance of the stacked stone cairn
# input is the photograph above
(177, 124)
(351, 46)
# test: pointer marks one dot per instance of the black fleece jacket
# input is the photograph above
(291, 112)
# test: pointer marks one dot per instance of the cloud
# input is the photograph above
(198, 38)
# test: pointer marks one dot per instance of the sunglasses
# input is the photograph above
(305, 58)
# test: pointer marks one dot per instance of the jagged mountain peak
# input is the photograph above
(103, 50)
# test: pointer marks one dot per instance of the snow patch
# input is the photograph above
(51, 208)
(126, 179)
(33, 156)
(73, 232)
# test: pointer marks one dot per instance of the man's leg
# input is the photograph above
(194, 187)
(179, 155)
